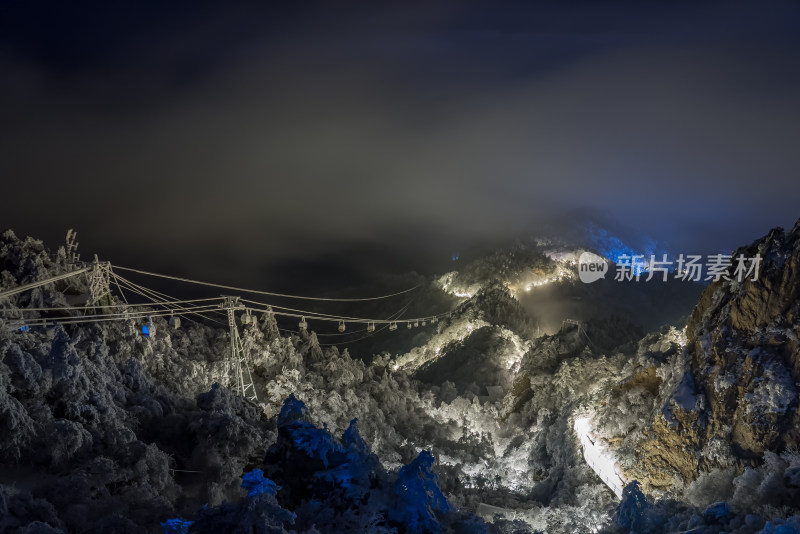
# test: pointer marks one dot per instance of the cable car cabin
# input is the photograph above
(247, 318)
(423, 323)
(175, 322)
(409, 326)
(303, 324)
(341, 326)
(416, 324)
(370, 327)
(392, 327)
(148, 328)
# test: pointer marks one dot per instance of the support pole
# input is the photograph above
(99, 281)
(237, 368)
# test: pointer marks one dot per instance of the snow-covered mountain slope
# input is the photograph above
(711, 414)
(135, 425)
(543, 277)
(138, 427)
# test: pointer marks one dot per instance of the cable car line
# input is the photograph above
(369, 333)
(268, 293)
(160, 305)
(176, 308)
(171, 306)
(100, 318)
(81, 308)
(131, 284)
(325, 315)
(331, 317)
(34, 285)
(115, 315)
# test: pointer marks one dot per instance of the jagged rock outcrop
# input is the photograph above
(734, 395)
(745, 355)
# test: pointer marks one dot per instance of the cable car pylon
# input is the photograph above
(99, 281)
(237, 367)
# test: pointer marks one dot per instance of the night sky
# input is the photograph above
(226, 141)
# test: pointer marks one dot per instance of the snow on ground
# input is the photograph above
(598, 456)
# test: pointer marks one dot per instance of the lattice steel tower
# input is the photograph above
(237, 368)
(99, 281)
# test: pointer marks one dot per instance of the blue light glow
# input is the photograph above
(255, 483)
(176, 526)
(614, 249)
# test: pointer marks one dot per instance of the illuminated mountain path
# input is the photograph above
(598, 456)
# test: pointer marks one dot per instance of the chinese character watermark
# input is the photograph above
(591, 267)
(687, 268)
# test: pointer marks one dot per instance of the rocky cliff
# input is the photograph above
(729, 396)
(745, 353)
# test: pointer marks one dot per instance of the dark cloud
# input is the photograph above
(238, 136)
